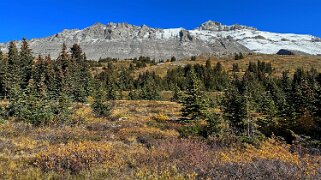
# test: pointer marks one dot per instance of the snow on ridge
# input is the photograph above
(169, 33)
(265, 42)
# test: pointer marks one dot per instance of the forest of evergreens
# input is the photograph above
(253, 105)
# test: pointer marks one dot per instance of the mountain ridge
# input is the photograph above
(123, 40)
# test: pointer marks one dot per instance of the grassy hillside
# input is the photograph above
(141, 140)
(151, 139)
(280, 63)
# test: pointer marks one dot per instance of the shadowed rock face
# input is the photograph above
(287, 52)
(122, 40)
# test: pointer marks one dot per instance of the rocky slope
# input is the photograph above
(122, 40)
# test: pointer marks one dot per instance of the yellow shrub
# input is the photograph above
(270, 149)
(90, 100)
(166, 173)
(148, 131)
(83, 115)
(72, 157)
(160, 117)
(23, 143)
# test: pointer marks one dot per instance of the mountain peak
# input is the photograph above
(211, 26)
(123, 40)
(217, 26)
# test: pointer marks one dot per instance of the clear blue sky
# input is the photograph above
(41, 18)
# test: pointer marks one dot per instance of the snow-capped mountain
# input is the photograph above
(122, 40)
(260, 41)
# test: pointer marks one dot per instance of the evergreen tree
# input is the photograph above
(236, 56)
(1, 56)
(29, 106)
(13, 79)
(61, 108)
(236, 67)
(215, 124)
(194, 103)
(3, 73)
(26, 62)
(241, 56)
(177, 95)
(81, 74)
(149, 91)
(100, 106)
(235, 111)
(173, 59)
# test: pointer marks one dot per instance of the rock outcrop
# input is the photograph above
(287, 52)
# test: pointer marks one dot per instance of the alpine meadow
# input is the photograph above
(121, 101)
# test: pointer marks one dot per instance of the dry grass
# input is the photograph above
(280, 63)
(139, 141)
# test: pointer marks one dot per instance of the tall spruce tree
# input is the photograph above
(3, 69)
(235, 111)
(194, 103)
(26, 62)
(100, 106)
(81, 75)
(13, 79)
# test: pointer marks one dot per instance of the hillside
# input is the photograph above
(257, 117)
(280, 63)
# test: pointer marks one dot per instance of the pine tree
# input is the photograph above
(215, 124)
(81, 76)
(236, 67)
(3, 70)
(40, 69)
(30, 106)
(100, 106)
(77, 54)
(64, 59)
(177, 95)
(66, 71)
(53, 79)
(61, 108)
(26, 62)
(149, 91)
(236, 56)
(241, 56)
(235, 111)
(194, 103)
(13, 79)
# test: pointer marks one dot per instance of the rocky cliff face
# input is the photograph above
(122, 40)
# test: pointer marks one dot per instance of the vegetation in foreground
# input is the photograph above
(141, 141)
(75, 119)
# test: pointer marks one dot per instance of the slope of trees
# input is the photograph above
(254, 103)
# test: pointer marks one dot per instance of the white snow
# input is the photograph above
(168, 33)
(264, 42)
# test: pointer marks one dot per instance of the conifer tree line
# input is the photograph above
(255, 103)
(259, 104)
(41, 90)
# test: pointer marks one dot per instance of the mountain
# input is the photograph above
(122, 40)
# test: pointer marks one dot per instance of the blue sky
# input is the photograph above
(41, 18)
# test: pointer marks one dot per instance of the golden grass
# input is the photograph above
(280, 63)
(139, 141)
